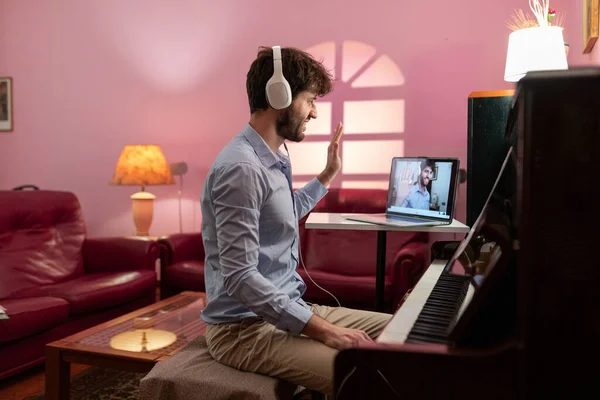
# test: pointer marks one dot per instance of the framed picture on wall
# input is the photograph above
(591, 22)
(6, 104)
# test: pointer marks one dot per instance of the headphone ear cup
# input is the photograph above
(279, 93)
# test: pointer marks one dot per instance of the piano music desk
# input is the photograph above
(318, 220)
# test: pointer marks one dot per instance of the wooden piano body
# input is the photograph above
(537, 334)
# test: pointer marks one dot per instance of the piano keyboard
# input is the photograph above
(432, 306)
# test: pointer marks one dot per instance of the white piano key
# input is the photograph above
(467, 300)
(403, 320)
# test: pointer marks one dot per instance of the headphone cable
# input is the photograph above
(300, 250)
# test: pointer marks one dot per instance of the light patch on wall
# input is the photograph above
(321, 125)
(365, 184)
(383, 73)
(170, 47)
(374, 116)
(355, 56)
(299, 184)
(370, 157)
(371, 118)
(308, 158)
(324, 52)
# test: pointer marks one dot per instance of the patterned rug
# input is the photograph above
(103, 384)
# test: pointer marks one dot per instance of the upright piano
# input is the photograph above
(514, 312)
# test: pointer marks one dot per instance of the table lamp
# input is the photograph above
(535, 44)
(142, 165)
(534, 49)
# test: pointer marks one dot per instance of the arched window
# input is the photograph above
(367, 98)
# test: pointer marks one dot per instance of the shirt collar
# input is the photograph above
(262, 150)
(423, 192)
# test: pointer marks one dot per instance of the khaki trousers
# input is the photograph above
(254, 345)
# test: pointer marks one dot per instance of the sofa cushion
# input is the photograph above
(344, 200)
(93, 292)
(32, 315)
(349, 290)
(41, 236)
(348, 252)
(186, 274)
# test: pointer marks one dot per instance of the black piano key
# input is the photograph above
(440, 310)
(440, 303)
(441, 295)
(434, 329)
(428, 333)
(447, 289)
(436, 310)
(426, 339)
(433, 320)
(436, 313)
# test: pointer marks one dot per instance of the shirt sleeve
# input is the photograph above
(238, 193)
(406, 200)
(306, 198)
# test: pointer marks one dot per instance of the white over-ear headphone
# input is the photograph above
(279, 93)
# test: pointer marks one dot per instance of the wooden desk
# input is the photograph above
(337, 221)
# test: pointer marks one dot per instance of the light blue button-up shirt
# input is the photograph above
(250, 235)
(417, 199)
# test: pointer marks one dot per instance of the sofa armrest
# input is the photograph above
(409, 265)
(181, 247)
(119, 254)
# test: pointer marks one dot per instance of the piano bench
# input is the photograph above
(192, 373)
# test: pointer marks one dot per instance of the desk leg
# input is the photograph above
(380, 271)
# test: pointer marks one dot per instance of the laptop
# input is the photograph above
(421, 192)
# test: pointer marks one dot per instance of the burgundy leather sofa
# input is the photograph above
(54, 281)
(340, 261)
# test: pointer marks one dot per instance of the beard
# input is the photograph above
(289, 125)
(423, 182)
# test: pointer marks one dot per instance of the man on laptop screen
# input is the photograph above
(418, 194)
(421, 191)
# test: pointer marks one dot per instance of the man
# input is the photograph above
(419, 197)
(257, 319)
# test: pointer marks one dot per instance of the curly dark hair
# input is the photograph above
(300, 69)
(427, 163)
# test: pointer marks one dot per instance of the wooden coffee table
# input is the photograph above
(179, 315)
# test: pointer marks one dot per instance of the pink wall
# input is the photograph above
(90, 77)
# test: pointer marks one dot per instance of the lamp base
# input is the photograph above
(143, 210)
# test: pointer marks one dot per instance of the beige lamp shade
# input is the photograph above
(535, 49)
(143, 340)
(142, 165)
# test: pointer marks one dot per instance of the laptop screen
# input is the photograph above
(423, 187)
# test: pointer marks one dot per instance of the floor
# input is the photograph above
(29, 383)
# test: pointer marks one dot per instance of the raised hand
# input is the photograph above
(334, 161)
